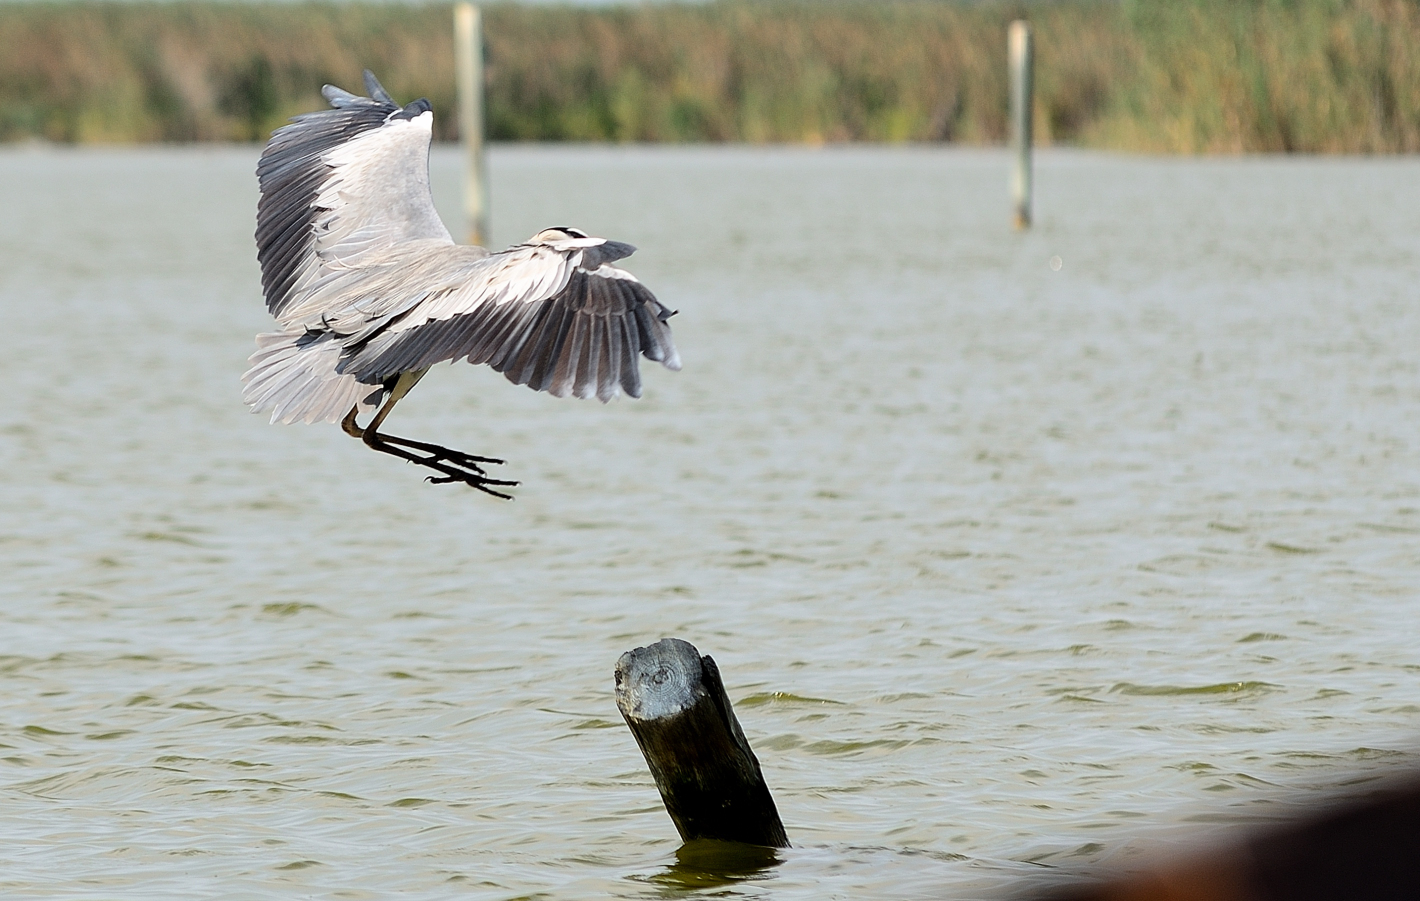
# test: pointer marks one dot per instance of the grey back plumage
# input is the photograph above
(367, 283)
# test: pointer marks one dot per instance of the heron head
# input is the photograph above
(557, 235)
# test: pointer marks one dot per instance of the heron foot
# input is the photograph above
(444, 454)
(452, 465)
(473, 480)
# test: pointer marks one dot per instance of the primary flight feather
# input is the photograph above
(369, 289)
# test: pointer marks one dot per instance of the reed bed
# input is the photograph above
(1191, 76)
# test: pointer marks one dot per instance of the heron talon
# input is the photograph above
(440, 454)
(473, 480)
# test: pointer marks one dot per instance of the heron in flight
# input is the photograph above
(369, 290)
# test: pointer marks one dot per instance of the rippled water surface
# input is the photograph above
(1008, 567)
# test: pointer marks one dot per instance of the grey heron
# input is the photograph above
(369, 290)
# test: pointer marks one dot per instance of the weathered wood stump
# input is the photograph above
(675, 704)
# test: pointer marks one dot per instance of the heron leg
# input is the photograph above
(443, 453)
(453, 465)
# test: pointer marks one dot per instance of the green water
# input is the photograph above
(1009, 568)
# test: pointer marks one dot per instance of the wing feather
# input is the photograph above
(600, 377)
(534, 363)
(655, 335)
(630, 372)
(564, 366)
(340, 184)
(533, 312)
(503, 323)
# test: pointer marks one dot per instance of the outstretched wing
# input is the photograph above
(338, 187)
(553, 314)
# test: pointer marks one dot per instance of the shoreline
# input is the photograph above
(1191, 77)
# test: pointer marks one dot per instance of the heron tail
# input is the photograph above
(293, 374)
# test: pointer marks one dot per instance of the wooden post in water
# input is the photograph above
(1021, 52)
(468, 72)
(675, 704)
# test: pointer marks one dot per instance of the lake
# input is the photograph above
(1018, 552)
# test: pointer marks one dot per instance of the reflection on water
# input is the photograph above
(710, 864)
(1006, 565)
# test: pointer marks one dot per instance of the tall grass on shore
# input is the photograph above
(1329, 76)
(1155, 75)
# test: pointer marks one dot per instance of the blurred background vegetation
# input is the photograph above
(1149, 75)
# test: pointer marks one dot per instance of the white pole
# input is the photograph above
(1020, 51)
(468, 71)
